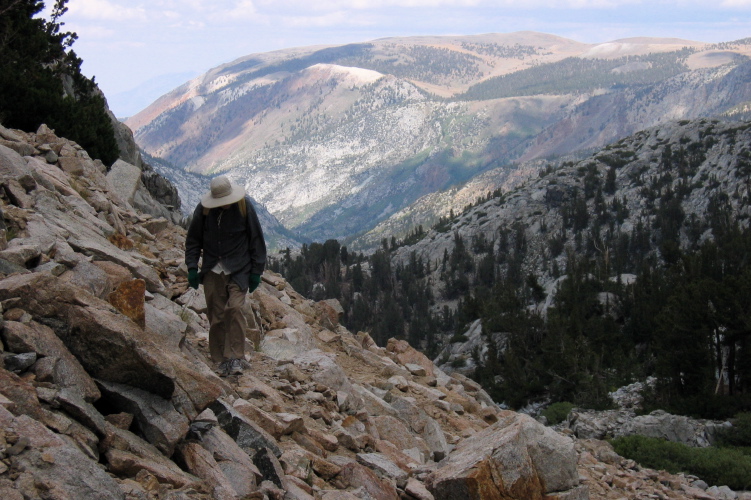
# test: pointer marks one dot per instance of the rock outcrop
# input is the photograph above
(658, 424)
(97, 403)
(624, 421)
(514, 458)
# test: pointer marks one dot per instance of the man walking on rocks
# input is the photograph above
(226, 233)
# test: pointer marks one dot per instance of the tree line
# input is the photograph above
(378, 297)
(684, 322)
(659, 299)
(576, 75)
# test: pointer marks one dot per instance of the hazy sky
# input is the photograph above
(125, 43)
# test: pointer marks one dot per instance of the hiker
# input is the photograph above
(225, 231)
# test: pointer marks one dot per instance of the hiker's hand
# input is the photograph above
(255, 280)
(193, 280)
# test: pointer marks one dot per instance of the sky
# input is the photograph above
(155, 45)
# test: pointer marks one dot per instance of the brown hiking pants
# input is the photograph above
(225, 303)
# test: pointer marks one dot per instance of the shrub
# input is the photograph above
(557, 412)
(458, 363)
(720, 466)
(739, 434)
(458, 338)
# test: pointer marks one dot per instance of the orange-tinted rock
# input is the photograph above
(125, 463)
(120, 420)
(129, 298)
(117, 274)
(358, 476)
(121, 241)
(405, 353)
(330, 311)
(517, 458)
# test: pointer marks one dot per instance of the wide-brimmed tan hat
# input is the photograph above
(222, 192)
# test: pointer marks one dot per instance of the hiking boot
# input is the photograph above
(235, 367)
(223, 369)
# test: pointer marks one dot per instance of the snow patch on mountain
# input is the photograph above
(350, 75)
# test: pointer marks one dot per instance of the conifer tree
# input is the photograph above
(41, 80)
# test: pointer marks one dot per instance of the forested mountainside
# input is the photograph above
(632, 262)
(336, 140)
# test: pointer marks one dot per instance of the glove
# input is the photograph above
(193, 279)
(255, 280)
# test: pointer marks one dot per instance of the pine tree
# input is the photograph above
(35, 61)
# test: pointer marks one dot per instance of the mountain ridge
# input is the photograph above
(293, 122)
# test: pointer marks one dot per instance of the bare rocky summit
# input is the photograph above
(106, 391)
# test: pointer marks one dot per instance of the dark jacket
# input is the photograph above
(237, 242)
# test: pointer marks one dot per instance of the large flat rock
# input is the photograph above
(516, 458)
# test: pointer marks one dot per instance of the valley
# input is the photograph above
(334, 141)
(502, 266)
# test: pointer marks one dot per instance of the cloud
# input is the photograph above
(745, 4)
(337, 5)
(324, 5)
(338, 18)
(181, 4)
(244, 9)
(104, 10)
(93, 32)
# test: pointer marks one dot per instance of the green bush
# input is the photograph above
(557, 412)
(719, 466)
(458, 363)
(739, 434)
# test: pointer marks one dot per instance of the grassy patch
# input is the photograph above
(718, 466)
(739, 434)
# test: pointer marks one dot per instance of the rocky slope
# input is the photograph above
(107, 392)
(702, 160)
(335, 140)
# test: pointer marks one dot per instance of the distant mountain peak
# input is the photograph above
(337, 139)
